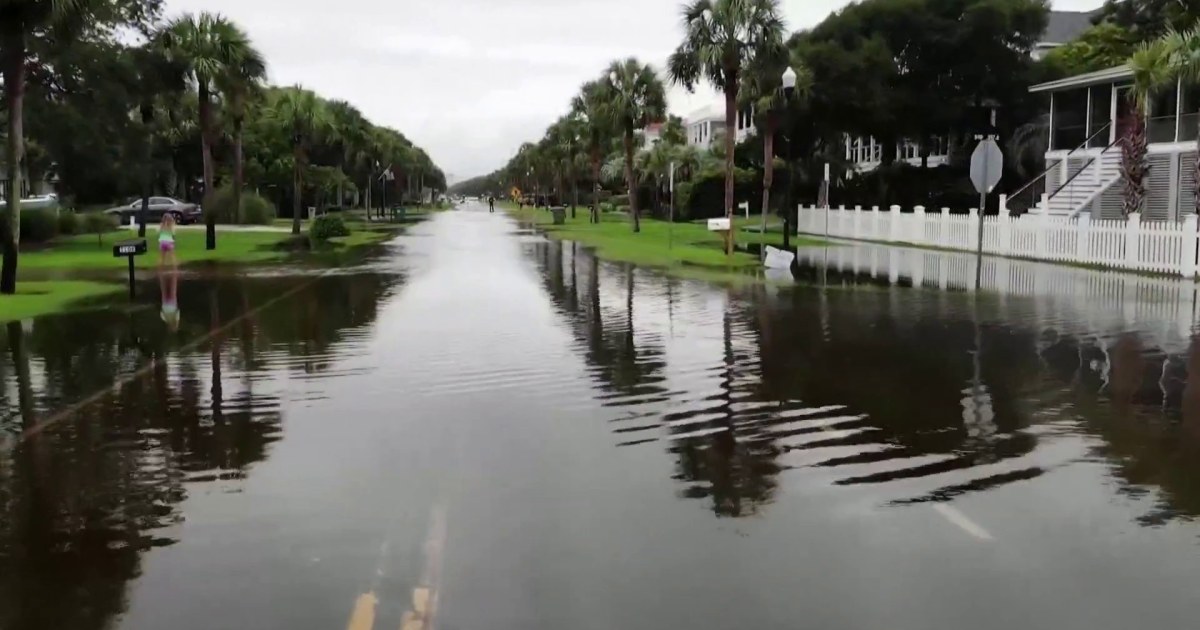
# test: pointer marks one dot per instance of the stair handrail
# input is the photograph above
(1043, 174)
(1084, 167)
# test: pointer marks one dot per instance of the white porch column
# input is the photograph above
(1178, 108)
(1112, 114)
(1087, 117)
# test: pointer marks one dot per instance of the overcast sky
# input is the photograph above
(469, 80)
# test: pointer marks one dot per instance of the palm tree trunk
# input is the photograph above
(768, 171)
(1133, 161)
(210, 215)
(147, 111)
(575, 194)
(595, 188)
(10, 224)
(297, 161)
(238, 170)
(731, 92)
(340, 191)
(630, 181)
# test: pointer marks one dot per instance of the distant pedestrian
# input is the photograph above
(491, 204)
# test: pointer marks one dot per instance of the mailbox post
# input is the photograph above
(128, 249)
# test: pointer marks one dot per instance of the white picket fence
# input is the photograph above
(1159, 246)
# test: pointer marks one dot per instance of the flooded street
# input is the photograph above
(479, 428)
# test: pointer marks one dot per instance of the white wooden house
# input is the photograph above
(1083, 154)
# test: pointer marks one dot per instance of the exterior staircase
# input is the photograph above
(1078, 193)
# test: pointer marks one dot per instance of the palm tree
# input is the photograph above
(1183, 49)
(565, 138)
(20, 22)
(722, 37)
(1151, 67)
(350, 130)
(304, 115)
(673, 132)
(588, 105)
(210, 46)
(238, 83)
(155, 78)
(762, 91)
(634, 98)
(655, 163)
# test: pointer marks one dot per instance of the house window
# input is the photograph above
(1160, 126)
(1101, 113)
(1188, 129)
(1069, 119)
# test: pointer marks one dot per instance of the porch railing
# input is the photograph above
(1029, 195)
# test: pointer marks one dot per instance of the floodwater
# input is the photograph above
(478, 428)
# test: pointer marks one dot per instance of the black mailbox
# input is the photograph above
(131, 247)
(128, 249)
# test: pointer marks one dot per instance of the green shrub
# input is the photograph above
(624, 208)
(620, 200)
(98, 223)
(38, 226)
(256, 209)
(606, 206)
(326, 227)
(68, 222)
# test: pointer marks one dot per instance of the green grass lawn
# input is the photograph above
(84, 251)
(660, 243)
(40, 298)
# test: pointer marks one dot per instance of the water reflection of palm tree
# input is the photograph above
(734, 471)
(738, 472)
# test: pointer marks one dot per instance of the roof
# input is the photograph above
(711, 112)
(1109, 75)
(1064, 26)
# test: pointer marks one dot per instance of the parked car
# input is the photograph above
(38, 202)
(184, 212)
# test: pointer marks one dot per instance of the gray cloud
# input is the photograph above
(468, 80)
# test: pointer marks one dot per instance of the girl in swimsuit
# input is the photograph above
(166, 241)
(168, 272)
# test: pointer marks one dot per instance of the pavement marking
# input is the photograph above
(948, 512)
(423, 612)
(957, 518)
(363, 615)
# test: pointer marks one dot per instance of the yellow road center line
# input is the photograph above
(423, 613)
(363, 615)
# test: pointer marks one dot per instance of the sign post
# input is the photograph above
(987, 165)
(129, 249)
(825, 195)
(671, 216)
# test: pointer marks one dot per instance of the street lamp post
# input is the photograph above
(789, 89)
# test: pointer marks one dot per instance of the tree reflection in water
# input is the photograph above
(82, 499)
(925, 395)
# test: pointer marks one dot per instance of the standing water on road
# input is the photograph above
(480, 428)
